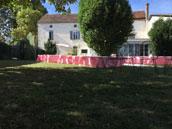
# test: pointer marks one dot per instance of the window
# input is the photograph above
(51, 26)
(131, 49)
(75, 26)
(145, 49)
(84, 51)
(137, 50)
(51, 35)
(125, 50)
(141, 50)
(75, 50)
(134, 50)
(74, 35)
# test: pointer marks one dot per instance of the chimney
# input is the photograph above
(147, 11)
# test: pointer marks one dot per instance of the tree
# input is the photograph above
(4, 50)
(8, 16)
(19, 33)
(59, 4)
(50, 47)
(25, 50)
(69, 10)
(7, 22)
(27, 22)
(105, 24)
(2, 39)
(161, 37)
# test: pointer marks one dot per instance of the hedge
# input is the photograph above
(4, 51)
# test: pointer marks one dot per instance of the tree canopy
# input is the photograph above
(8, 16)
(50, 47)
(7, 22)
(27, 22)
(105, 24)
(9, 10)
(161, 37)
(59, 4)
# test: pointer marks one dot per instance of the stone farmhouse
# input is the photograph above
(64, 31)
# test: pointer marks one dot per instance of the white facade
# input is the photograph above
(65, 45)
(61, 34)
(139, 29)
(140, 44)
(153, 19)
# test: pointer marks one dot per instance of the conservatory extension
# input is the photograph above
(135, 48)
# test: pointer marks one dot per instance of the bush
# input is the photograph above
(50, 47)
(25, 50)
(30, 53)
(40, 51)
(161, 37)
(105, 24)
(4, 51)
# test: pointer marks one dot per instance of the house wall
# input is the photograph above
(142, 27)
(154, 19)
(139, 29)
(62, 36)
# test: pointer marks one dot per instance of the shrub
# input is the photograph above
(40, 51)
(25, 50)
(30, 53)
(4, 51)
(161, 37)
(50, 47)
(105, 24)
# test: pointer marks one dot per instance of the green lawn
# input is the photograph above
(55, 96)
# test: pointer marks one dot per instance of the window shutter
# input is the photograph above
(75, 36)
(78, 34)
(52, 35)
(71, 35)
(49, 35)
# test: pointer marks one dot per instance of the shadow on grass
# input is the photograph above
(14, 63)
(81, 97)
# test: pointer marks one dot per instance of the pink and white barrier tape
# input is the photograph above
(104, 62)
(98, 62)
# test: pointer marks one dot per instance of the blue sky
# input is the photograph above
(156, 6)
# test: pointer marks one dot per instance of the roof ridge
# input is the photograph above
(139, 11)
(72, 18)
(77, 14)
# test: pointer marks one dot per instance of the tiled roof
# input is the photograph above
(138, 15)
(73, 18)
(57, 18)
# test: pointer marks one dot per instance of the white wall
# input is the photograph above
(154, 19)
(142, 27)
(139, 27)
(62, 36)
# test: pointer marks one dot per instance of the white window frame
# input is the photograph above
(75, 35)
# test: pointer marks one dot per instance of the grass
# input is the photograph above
(55, 96)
